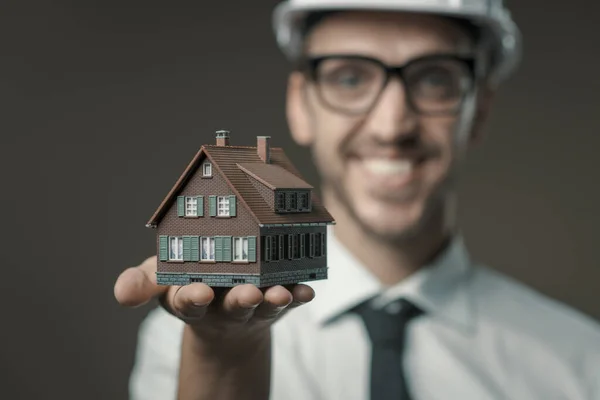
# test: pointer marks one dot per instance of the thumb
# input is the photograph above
(136, 286)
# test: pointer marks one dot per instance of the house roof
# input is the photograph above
(237, 164)
(274, 176)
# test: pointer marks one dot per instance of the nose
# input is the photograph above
(392, 119)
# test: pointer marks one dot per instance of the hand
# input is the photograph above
(234, 315)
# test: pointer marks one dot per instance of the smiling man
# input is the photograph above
(389, 96)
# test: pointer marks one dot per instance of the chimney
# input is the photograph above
(263, 148)
(222, 138)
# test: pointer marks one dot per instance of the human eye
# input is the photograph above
(437, 81)
(347, 74)
(347, 77)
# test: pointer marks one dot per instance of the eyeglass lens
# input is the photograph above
(354, 84)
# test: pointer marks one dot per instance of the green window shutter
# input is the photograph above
(180, 206)
(200, 200)
(227, 248)
(187, 248)
(252, 248)
(311, 245)
(232, 206)
(302, 239)
(218, 248)
(322, 244)
(212, 205)
(194, 248)
(290, 250)
(163, 248)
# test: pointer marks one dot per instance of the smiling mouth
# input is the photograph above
(381, 166)
(389, 167)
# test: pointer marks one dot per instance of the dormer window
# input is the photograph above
(292, 201)
(280, 201)
(207, 169)
(303, 201)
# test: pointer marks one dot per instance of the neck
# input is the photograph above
(391, 260)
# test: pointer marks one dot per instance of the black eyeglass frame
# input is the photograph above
(309, 65)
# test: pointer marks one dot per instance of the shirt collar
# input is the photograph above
(439, 288)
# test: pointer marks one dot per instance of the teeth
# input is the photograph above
(388, 167)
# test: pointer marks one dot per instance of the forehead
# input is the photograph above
(393, 37)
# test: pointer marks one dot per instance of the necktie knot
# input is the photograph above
(388, 324)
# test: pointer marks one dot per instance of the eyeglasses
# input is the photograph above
(352, 84)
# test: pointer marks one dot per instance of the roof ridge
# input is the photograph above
(237, 147)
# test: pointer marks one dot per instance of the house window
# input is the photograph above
(311, 244)
(303, 201)
(281, 201)
(223, 210)
(296, 245)
(318, 244)
(274, 248)
(207, 169)
(191, 206)
(267, 252)
(208, 249)
(176, 248)
(240, 249)
(281, 247)
(293, 201)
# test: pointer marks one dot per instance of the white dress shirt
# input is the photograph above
(484, 337)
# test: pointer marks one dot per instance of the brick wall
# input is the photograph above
(243, 224)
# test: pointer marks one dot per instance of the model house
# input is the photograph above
(238, 215)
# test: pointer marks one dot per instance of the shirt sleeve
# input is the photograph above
(290, 373)
(156, 367)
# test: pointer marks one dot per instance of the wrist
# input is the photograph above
(228, 344)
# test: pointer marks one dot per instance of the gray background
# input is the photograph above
(104, 103)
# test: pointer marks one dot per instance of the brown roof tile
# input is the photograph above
(274, 176)
(226, 160)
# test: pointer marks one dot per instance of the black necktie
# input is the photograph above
(387, 328)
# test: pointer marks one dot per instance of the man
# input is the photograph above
(389, 96)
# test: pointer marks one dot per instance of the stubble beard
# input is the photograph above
(432, 217)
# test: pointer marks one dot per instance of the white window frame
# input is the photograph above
(243, 242)
(211, 248)
(176, 241)
(223, 206)
(191, 206)
(207, 169)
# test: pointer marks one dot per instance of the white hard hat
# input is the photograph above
(490, 16)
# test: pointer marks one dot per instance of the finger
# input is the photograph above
(137, 285)
(240, 302)
(301, 294)
(189, 302)
(276, 299)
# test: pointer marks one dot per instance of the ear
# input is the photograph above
(296, 110)
(484, 106)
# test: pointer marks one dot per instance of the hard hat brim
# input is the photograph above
(288, 18)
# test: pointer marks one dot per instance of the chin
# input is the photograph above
(391, 222)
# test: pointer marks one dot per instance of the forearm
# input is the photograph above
(224, 371)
